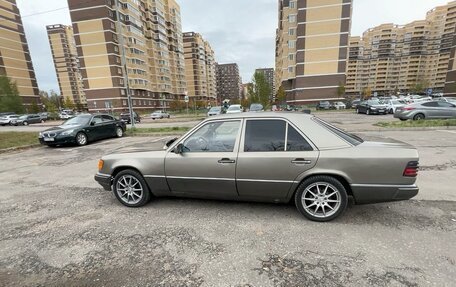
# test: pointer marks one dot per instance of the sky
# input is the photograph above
(239, 31)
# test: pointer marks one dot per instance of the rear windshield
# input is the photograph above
(350, 138)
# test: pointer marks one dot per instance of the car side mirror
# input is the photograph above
(92, 123)
(179, 149)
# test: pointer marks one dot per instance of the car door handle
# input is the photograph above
(301, 161)
(226, 160)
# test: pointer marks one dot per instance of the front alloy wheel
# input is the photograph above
(130, 188)
(321, 198)
(81, 139)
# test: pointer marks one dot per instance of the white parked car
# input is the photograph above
(65, 116)
(159, 115)
(6, 120)
(339, 106)
(234, 109)
(393, 105)
(214, 111)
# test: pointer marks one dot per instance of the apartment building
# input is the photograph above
(131, 46)
(312, 48)
(450, 83)
(200, 68)
(229, 84)
(390, 58)
(15, 61)
(66, 63)
(269, 76)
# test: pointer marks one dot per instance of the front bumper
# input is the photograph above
(58, 140)
(374, 193)
(105, 180)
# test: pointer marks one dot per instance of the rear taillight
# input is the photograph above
(408, 108)
(411, 170)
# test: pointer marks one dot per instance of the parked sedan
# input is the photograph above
(234, 109)
(214, 111)
(339, 106)
(159, 115)
(427, 110)
(26, 120)
(83, 129)
(6, 120)
(393, 105)
(125, 117)
(324, 105)
(370, 107)
(270, 157)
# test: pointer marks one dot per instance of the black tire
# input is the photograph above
(119, 132)
(403, 120)
(340, 196)
(169, 116)
(418, 117)
(136, 200)
(81, 139)
(42, 121)
(391, 111)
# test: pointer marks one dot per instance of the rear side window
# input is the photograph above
(107, 118)
(264, 135)
(295, 141)
(350, 138)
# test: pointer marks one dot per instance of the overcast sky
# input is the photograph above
(239, 31)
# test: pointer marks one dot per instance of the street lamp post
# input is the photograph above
(124, 64)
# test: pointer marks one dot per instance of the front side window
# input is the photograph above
(97, 119)
(213, 137)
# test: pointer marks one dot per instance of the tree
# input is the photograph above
(176, 105)
(281, 95)
(260, 90)
(10, 100)
(367, 91)
(420, 86)
(68, 104)
(34, 108)
(341, 90)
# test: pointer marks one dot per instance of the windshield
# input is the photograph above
(231, 108)
(215, 109)
(352, 139)
(79, 120)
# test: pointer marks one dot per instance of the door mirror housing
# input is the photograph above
(179, 149)
(92, 123)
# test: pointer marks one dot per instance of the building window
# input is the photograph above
(292, 4)
(116, 49)
(291, 31)
(291, 57)
(118, 60)
(113, 26)
(122, 92)
(121, 81)
(292, 44)
(119, 71)
(124, 102)
(290, 69)
(111, 14)
(291, 18)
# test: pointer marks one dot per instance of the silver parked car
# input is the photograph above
(214, 111)
(427, 110)
(269, 157)
(159, 115)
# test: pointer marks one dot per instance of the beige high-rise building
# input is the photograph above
(66, 63)
(311, 48)
(390, 58)
(200, 68)
(145, 37)
(15, 61)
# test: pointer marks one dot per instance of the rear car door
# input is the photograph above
(431, 109)
(272, 154)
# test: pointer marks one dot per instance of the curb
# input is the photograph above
(19, 148)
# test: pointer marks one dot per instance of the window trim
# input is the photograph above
(244, 127)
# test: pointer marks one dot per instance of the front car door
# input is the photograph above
(207, 165)
(272, 154)
(109, 124)
(95, 128)
(447, 110)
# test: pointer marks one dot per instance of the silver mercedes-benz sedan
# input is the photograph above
(268, 157)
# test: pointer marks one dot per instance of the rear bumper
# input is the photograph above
(374, 193)
(105, 180)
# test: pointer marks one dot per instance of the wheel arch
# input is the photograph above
(343, 179)
(117, 169)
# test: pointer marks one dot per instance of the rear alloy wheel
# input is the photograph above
(418, 117)
(25, 123)
(81, 139)
(321, 198)
(130, 188)
(119, 132)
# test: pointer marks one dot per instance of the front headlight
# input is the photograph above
(372, 108)
(40, 135)
(67, 133)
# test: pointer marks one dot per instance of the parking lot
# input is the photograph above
(60, 228)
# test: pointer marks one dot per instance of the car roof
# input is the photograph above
(287, 115)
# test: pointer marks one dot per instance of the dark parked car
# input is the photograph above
(370, 107)
(324, 105)
(125, 117)
(26, 120)
(256, 108)
(83, 129)
(271, 157)
(426, 110)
